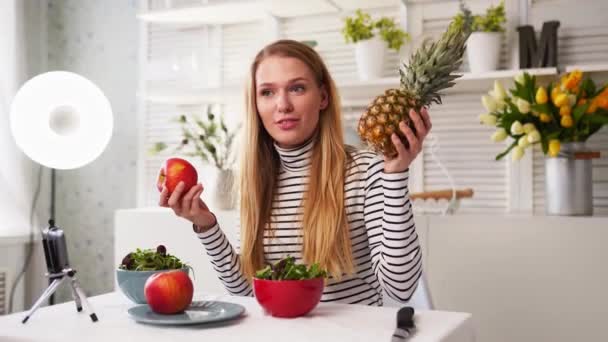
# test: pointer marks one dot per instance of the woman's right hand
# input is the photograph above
(189, 206)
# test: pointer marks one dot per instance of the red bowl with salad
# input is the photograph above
(287, 289)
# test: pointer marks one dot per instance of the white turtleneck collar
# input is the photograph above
(296, 158)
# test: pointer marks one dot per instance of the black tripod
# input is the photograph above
(77, 293)
(59, 271)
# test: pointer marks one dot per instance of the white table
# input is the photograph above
(327, 322)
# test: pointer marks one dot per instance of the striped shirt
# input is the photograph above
(385, 245)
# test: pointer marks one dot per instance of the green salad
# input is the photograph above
(151, 260)
(287, 269)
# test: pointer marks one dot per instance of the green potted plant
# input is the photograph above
(371, 39)
(208, 138)
(483, 45)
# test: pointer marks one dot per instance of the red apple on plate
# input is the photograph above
(169, 292)
(175, 170)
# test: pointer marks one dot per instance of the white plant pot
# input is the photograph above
(570, 182)
(369, 55)
(224, 196)
(483, 51)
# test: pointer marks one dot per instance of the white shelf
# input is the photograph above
(351, 5)
(470, 82)
(588, 68)
(212, 14)
(250, 11)
(186, 97)
(358, 93)
(361, 93)
(505, 74)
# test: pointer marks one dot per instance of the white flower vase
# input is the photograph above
(483, 51)
(569, 183)
(224, 196)
(369, 55)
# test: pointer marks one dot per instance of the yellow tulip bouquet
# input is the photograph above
(570, 110)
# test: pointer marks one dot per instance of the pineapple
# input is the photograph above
(429, 71)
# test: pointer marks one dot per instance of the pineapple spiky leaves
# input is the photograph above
(428, 72)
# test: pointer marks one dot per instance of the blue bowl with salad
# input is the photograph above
(136, 267)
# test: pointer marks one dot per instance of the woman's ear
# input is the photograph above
(324, 97)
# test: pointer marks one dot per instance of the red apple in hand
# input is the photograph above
(169, 292)
(175, 170)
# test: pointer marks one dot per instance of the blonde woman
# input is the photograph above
(304, 193)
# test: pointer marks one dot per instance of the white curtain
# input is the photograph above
(16, 170)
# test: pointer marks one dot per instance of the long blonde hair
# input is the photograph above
(326, 237)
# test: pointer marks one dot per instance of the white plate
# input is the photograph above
(199, 312)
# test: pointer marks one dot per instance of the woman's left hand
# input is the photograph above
(405, 156)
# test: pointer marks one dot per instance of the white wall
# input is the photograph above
(23, 40)
(97, 39)
(23, 58)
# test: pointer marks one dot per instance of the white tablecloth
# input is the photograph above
(327, 322)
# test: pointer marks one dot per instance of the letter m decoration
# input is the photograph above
(542, 55)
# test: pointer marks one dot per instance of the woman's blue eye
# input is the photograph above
(298, 88)
(266, 92)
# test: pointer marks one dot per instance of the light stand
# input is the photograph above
(57, 264)
(63, 121)
(52, 217)
(56, 255)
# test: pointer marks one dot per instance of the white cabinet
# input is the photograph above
(148, 227)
